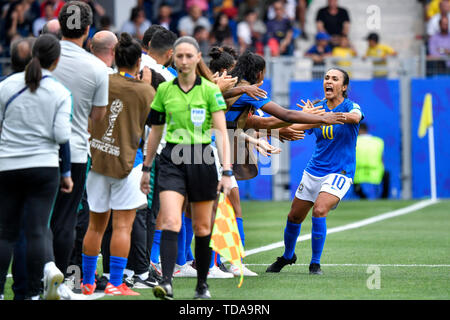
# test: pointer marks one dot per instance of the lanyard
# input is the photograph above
(126, 75)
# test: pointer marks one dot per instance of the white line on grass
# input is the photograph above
(354, 225)
(365, 265)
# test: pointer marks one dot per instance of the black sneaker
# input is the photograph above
(314, 268)
(128, 281)
(163, 291)
(202, 292)
(280, 263)
(150, 282)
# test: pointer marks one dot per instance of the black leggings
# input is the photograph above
(27, 194)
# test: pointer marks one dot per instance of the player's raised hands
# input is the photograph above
(290, 134)
(334, 118)
(225, 81)
(254, 91)
(265, 148)
(309, 107)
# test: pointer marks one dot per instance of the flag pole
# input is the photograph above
(432, 163)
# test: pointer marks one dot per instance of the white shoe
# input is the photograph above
(66, 294)
(247, 272)
(2, 297)
(184, 271)
(53, 278)
(216, 273)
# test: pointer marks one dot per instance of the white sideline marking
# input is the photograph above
(354, 225)
(364, 265)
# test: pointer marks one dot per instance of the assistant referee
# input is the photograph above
(190, 105)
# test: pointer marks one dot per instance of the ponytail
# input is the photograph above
(46, 51)
(33, 74)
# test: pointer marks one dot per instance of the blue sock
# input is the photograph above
(213, 257)
(240, 225)
(189, 237)
(116, 267)
(291, 233)
(181, 256)
(154, 256)
(218, 261)
(89, 265)
(318, 236)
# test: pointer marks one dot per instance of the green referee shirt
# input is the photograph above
(188, 114)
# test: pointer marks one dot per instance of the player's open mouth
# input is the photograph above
(328, 89)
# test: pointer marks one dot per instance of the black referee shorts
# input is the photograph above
(189, 170)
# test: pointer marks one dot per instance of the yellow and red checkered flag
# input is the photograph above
(225, 238)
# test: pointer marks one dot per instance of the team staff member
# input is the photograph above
(328, 175)
(189, 105)
(35, 116)
(113, 182)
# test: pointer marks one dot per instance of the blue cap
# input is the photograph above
(322, 36)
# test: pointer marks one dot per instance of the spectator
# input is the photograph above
(431, 8)
(255, 5)
(202, 37)
(433, 24)
(137, 24)
(302, 7)
(280, 29)
(333, 20)
(102, 46)
(39, 23)
(369, 173)
(57, 5)
(105, 23)
(344, 51)
(16, 24)
(187, 24)
(289, 12)
(52, 27)
(202, 4)
(439, 47)
(221, 33)
(176, 6)
(250, 33)
(378, 52)
(319, 52)
(165, 18)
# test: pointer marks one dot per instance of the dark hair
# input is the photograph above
(162, 41)
(21, 55)
(231, 51)
(346, 79)
(198, 29)
(149, 33)
(363, 126)
(248, 66)
(74, 27)
(128, 51)
(46, 51)
(135, 13)
(220, 59)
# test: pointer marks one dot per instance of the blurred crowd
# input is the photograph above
(267, 26)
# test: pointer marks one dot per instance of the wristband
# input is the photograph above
(227, 173)
(146, 169)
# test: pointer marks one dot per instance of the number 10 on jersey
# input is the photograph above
(327, 132)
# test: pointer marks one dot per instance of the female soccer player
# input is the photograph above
(189, 105)
(114, 180)
(328, 175)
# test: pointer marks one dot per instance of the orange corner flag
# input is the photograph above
(225, 238)
(426, 118)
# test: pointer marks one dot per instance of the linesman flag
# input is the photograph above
(426, 118)
(225, 238)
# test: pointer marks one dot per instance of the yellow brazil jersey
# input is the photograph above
(344, 53)
(379, 51)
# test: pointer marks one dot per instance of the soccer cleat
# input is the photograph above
(163, 291)
(2, 297)
(67, 294)
(101, 283)
(87, 289)
(150, 282)
(216, 273)
(202, 292)
(314, 268)
(223, 267)
(156, 267)
(247, 272)
(121, 290)
(53, 278)
(129, 281)
(280, 263)
(184, 271)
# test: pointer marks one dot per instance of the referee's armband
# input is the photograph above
(157, 118)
